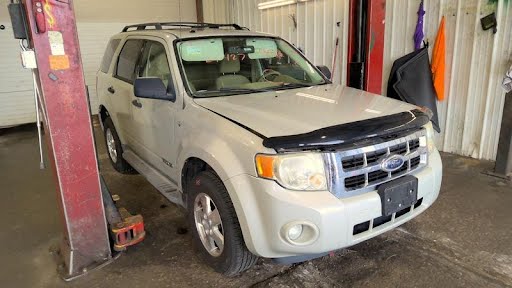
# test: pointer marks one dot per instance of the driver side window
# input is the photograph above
(155, 63)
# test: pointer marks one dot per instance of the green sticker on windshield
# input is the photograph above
(263, 48)
(202, 50)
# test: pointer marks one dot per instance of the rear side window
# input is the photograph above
(109, 53)
(128, 60)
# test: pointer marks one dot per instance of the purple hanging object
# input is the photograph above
(418, 34)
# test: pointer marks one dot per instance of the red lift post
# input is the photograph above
(366, 45)
(375, 46)
(69, 136)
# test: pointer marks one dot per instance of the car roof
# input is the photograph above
(191, 32)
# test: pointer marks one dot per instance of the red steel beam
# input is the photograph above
(350, 36)
(69, 134)
(375, 46)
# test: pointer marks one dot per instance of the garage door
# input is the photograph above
(16, 96)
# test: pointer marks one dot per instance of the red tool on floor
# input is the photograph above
(125, 229)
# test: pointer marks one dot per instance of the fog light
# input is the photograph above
(299, 233)
(294, 232)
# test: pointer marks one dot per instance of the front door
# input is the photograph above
(153, 120)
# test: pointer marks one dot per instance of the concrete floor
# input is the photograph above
(464, 240)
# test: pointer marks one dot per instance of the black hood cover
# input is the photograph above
(353, 134)
(411, 81)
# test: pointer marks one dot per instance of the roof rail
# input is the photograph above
(160, 26)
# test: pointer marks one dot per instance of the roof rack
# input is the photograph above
(160, 26)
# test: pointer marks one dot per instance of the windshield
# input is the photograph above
(224, 66)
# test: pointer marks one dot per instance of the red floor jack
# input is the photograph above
(92, 224)
(125, 229)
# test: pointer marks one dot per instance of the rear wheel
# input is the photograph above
(215, 227)
(114, 148)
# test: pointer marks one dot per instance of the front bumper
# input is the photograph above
(264, 208)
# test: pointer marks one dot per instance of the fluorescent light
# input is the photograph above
(277, 3)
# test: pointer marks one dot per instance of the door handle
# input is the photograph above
(137, 103)
(111, 90)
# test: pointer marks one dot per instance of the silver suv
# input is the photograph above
(268, 157)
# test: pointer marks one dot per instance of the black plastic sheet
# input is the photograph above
(411, 81)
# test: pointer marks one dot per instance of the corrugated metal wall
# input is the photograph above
(218, 11)
(471, 114)
(476, 61)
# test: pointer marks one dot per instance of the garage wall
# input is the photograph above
(471, 113)
(477, 60)
(96, 23)
(217, 11)
(16, 92)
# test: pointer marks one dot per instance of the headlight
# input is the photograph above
(430, 137)
(303, 171)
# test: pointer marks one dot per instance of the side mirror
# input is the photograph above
(325, 71)
(152, 88)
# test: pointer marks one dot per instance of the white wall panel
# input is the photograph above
(16, 92)
(470, 115)
(120, 11)
(217, 11)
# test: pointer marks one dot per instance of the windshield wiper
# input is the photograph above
(229, 90)
(296, 85)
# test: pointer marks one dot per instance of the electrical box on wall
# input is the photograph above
(28, 59)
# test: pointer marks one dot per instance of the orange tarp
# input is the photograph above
(438, 61)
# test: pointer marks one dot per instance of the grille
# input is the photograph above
(359, 170)
(379, 221)
(359, 181)
(357, 161)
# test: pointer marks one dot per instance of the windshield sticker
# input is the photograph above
(263, 48)
(202, 50)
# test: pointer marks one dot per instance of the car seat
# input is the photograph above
(229, 77)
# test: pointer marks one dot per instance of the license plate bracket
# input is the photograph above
(398, 194)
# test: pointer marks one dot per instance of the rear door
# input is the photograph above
(121, 88)
(154, 119)
(104, 76)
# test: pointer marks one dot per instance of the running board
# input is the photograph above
(159, 181)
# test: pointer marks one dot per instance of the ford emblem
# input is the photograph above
(393, 163)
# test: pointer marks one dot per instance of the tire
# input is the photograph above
(233, 257)
(115, 156)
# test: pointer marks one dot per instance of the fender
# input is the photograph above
(226, 147)
(227, 156)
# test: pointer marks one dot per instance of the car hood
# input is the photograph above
(298, 111)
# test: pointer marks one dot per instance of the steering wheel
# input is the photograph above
(267, 73)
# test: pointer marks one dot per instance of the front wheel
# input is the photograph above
(216, 230)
